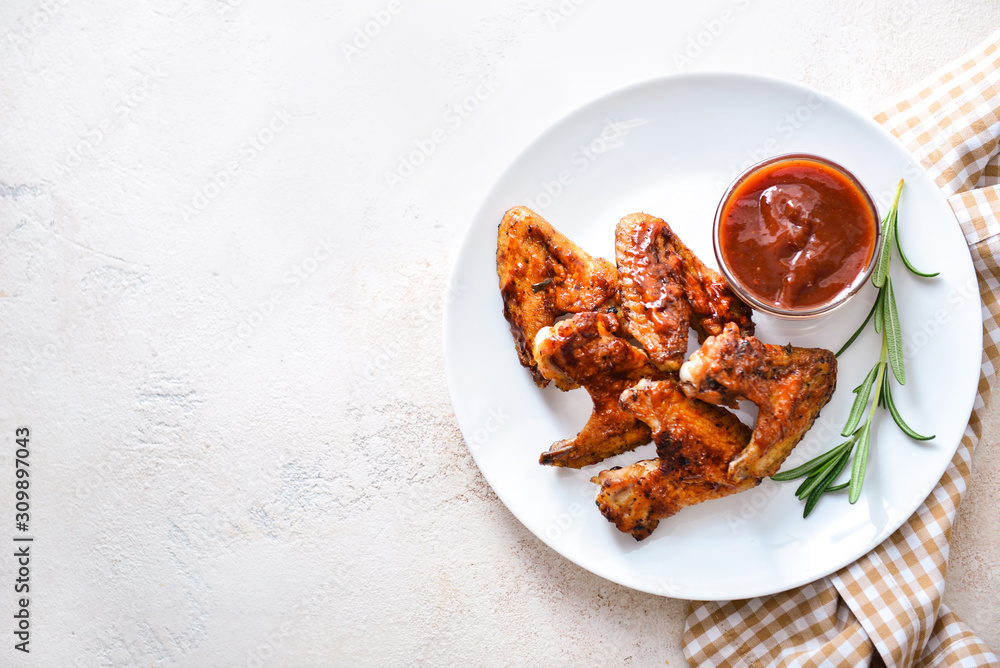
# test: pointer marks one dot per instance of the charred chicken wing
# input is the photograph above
(789, 386)
(695, 442)
(584, 351)
(664, 288)
(544, 275)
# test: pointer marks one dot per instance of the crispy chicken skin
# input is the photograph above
(789, 386)
(695, 442)
(664, 288)
(544, 275)
(584, 351)
(687, 432)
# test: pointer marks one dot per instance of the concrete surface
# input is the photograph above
(222, 324)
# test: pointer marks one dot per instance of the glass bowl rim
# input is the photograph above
(771, 309)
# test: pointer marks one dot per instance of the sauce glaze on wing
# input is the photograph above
(585, 351)
(544, 275)
(664, 288)
(789, 385)
(695, 442)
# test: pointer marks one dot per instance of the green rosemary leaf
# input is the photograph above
(816, 479)
(888, 234)
(884, 251)
(813, 500)
(885, 389)
(802, 491)
(859, 464)
(811, 465)
(894, 334)
(837, 488)
(906, 260)
(880, 313)
(898, 419)
(863, 391)
(824, 486)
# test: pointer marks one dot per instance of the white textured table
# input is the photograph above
(226, 230)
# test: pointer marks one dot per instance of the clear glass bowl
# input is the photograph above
(771, 308)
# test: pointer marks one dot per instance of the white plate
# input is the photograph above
(669, 147)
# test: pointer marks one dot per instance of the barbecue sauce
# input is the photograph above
(797, 233)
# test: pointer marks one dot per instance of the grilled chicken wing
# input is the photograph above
(695, 442)
(544, 275)
(664, 288)
(789, 386)
(584, 351)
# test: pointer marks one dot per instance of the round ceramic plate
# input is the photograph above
(669, 148)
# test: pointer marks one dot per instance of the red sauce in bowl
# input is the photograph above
(798, 233)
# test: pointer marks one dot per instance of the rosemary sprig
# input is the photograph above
(873, 392)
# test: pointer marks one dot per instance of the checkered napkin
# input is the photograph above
(886, 607)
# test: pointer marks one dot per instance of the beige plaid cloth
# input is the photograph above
(885, 608)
